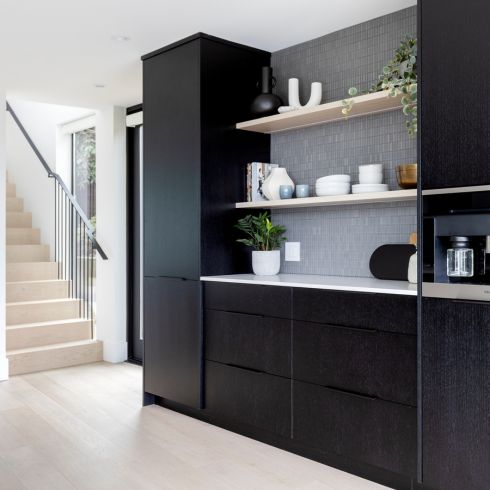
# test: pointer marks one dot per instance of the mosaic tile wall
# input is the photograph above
(340, 240)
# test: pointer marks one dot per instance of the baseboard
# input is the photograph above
(115, 351)
(4, 369)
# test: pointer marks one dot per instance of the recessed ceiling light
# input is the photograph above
(99, 85)
(120, 38)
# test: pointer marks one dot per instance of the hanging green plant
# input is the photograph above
(399, 77)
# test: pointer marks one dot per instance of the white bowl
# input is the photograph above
(341, 178)
(373, 178)
(361, 188)
(333, 189)
(373, 167)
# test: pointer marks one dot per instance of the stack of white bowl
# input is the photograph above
(333, 185)
(370, 179)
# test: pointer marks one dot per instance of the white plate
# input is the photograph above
(337, 179)
(360, 188)
(332, 189)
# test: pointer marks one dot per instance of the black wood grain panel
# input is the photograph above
(373, 363)
(172, 154)
(375, 432)
(388, 312)
(456, 394)
(173, 340)
(229, 75)
(250, 341)
(242, 396)
(248, 298)
(455, 116)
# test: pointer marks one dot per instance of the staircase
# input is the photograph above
(45, 326)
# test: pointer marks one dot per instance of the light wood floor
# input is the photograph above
(84, 428)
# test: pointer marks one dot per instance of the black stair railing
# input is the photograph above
(75, 243)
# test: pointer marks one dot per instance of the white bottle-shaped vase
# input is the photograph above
(277, 177)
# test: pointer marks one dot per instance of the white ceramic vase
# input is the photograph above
(266, 263)
(277, 177)
(293, 96)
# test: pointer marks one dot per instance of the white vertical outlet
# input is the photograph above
(293, 251)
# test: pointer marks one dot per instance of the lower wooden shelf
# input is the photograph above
(353, 199)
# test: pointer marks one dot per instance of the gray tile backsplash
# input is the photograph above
(340, 240)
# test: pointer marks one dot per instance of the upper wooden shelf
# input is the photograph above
(324, 113)
(309, 202)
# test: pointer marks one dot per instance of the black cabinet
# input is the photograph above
(173, 340)
(249, 397)
(249, 341)
(456, 394)
(455, 117)
(373, 431)
(364, 361)
(388, 312)
(172, 163)
(194, 92)
(248, 298)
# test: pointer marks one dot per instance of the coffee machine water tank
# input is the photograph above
(460, 257)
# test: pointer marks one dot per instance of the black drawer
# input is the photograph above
(250, 341)
(248, 298)
(363, 361)
(388, 312)
(376, 432)
(248, 397)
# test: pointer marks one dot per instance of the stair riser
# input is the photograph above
(41, 335)
(23, 236)
(19, 220)
(32, 271)
(36, 291)
(42, 312)
(15, 204)
(31, 362)
(27, 253)
(10, 190)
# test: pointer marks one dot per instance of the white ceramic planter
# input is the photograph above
(277, 177)
(266, 263)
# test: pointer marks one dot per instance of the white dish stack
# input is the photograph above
(370, 179)
(333, 185)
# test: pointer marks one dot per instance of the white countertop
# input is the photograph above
(359, 284)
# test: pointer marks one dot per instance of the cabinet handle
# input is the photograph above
(352, 393)
(258, 371)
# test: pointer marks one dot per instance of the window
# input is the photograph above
(84, 171)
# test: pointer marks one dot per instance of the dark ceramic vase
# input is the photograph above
(266, 103)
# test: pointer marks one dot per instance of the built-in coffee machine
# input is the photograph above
(456, 229)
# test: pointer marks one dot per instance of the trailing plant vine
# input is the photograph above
(399, 77)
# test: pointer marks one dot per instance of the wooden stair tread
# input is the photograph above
(68, 321)
(63, 345)
(44, 301)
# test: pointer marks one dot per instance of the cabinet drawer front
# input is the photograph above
(250, 341)
(248, 298)
(363, 361)
(378, 433)
(389, 312)
(247, 397)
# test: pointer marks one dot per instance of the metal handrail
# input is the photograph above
(90, 232)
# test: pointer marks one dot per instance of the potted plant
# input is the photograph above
(265, 238)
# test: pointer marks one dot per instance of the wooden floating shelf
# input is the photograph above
(364, 105)
(310, 202)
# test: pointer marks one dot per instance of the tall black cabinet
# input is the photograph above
(194, 91)
(454, 350)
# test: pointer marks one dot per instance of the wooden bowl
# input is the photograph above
(407, 175)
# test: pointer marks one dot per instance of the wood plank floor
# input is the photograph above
(84, 428)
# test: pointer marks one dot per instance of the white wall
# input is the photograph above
(42, 122)
(111, 232)
(3, 167)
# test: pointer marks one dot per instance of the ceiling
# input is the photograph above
(56, 51)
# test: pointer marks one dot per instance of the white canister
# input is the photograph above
(266, 263)
(412, 269)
